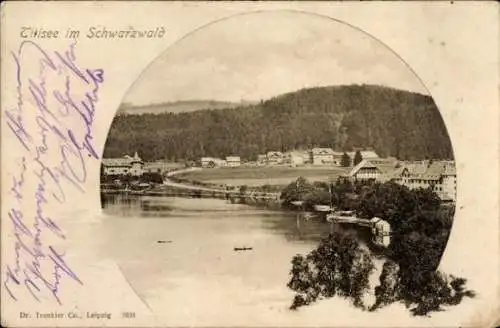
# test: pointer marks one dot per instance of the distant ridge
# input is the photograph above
(179, 106)
(393, 122)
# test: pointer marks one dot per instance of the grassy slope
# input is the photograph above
(273, 175)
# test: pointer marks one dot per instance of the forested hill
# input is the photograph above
(394, 122)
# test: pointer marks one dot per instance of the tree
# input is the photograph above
(298, 190)
(317, 196)
(243, 190)
(345, 161)
(102, 172)
(152, 177)
(387, 291)
(357, 158)
(338, 266)
(420, 227)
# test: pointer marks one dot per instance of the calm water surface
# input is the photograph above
(195, 275)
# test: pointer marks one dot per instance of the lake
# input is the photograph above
(193, 276)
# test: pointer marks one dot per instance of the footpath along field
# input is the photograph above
(262, 175)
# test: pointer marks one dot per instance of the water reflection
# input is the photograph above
(171, 248)
(293, 226)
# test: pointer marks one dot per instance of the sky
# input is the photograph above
(261, 55)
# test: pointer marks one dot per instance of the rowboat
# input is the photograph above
(242, 248)
(323, 208)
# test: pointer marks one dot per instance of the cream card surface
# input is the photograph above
(250, 164)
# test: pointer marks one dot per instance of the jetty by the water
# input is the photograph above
(380, 229)
(232, 195)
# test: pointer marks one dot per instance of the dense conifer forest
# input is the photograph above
(394, 122)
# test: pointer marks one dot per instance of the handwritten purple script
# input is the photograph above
(49, 137)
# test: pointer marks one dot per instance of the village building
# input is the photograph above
(159, 167)
(294, 158)
(211, 162)
(449, 181)
(440, 176)
(126, 165)
(374, 169)
(154, 168)
(381, 232)
(306, 156)
(414, 175)
(233, 161)
(322, 156)
(274, 158)
(337, 158)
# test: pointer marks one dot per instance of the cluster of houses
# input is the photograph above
(314, 156)
(134, 166)
(438, 175)
(229, 161)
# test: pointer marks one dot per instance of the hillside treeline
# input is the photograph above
(395, 123)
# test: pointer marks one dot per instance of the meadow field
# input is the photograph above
(262, 175)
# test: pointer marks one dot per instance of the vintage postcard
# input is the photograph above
(249, 164)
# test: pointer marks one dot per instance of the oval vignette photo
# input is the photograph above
(273, 167)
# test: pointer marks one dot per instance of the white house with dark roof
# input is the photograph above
(377, 169)
(233, 161)
(123, 166)
(381, 232)
(440, 176)
(322, 156)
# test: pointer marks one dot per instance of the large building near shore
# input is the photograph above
(125, 165)
(440, 176)
(380, 169)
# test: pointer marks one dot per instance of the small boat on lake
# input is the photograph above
(297, 203)
(323, 208)
(236, 249)
(308, 215)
